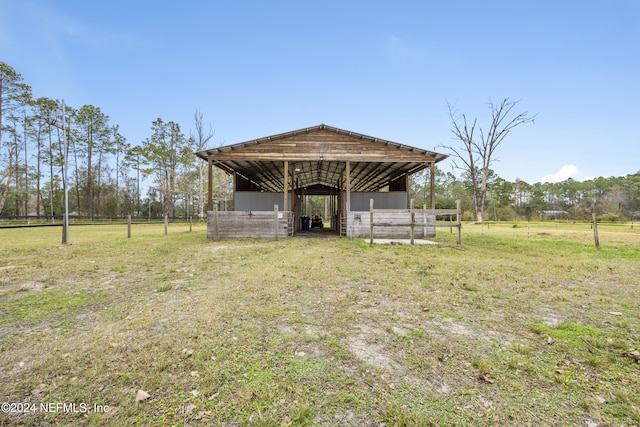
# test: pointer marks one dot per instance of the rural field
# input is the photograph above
(520, 325)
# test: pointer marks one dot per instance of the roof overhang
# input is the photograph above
(317, 156)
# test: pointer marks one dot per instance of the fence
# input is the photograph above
(264, 224)
(409, 223)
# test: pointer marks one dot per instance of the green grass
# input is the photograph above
(518, 326)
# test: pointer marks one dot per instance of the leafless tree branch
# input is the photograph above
(477, 154)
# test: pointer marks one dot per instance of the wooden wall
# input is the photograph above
(396, 225)
(263, 224)
(322, 143)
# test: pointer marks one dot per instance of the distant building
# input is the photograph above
(555, 214)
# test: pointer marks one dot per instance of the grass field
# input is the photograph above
(519, 326)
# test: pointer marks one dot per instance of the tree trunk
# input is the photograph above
(201, 190)
(3, 198)
(38, 195)
(75, 157)
(89, 178)
(50, 173)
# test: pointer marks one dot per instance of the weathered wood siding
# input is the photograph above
(263, 224)
(395, 225)
(324, 144)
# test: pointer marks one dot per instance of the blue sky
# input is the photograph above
(386, 69)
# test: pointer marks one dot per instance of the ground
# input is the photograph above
(524, 325)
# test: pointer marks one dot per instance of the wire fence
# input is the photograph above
(57, 221)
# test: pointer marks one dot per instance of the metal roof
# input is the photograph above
(375, 162)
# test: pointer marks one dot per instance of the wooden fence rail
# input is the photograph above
(262, 224)
(426, 213)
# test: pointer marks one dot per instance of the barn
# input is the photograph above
(274, 176)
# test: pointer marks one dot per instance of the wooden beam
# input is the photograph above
(432, 175)
(235, 177)
(285, 181)
(328, 147)
(377, 178)
(360, 169)
(267, 177)
(348, 184)
(210, 185)
(294, 197)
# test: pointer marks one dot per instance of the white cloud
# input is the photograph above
(565, 172)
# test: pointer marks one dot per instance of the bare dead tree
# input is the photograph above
(202, 139)
(477, 153)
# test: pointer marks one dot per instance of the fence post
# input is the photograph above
(370, 221)
(458, 223)
(595, 230)
(216, 229)
(166, 224)
(128, 226)
(413, 220)
(424, 220)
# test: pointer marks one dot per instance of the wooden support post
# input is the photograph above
(413, 220)
(458, 223)
(294, 199)
(166, 224)
(210, 185)
(275, 214)
(595, 231)
(235, 186)
(128, 226)
(348, 185)
(432, 190)
(371, 221)
(286, 186)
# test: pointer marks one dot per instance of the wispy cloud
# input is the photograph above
(51, 33)
(398, 50)
(564, 173)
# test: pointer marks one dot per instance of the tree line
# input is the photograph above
(107, 175)
(110, 177)
(612, 199)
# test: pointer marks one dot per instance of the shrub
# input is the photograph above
(610, 217)
(468, 216)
